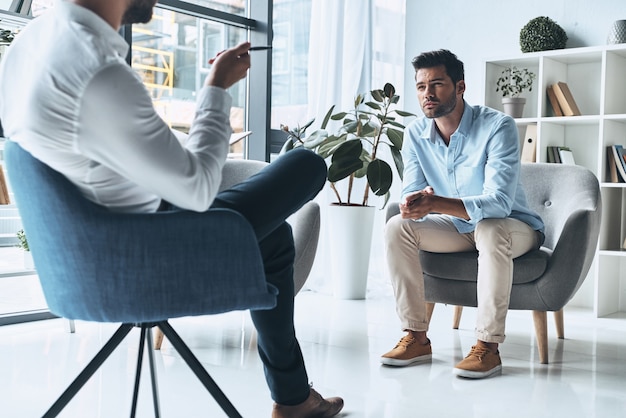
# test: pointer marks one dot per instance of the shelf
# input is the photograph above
(595, 77)
(613, 253)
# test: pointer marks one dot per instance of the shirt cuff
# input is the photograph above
(473, 208)
(214, 99)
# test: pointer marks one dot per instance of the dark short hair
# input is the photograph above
(454, 66)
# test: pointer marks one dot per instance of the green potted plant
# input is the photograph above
(512, 83)
(353, 151)
(6, 37)
(22, 243)
(542, 34)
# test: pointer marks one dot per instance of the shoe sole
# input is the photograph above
(469, 374)
(401, 363)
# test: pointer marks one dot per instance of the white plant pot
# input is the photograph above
(350, 232)
(514, 106)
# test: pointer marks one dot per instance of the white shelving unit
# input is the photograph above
(596, 77)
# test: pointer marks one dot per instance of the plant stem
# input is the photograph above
(375, 147)
(350, 183)
(332, 186)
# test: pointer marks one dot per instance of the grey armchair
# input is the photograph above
(567, 197)
(305, 225)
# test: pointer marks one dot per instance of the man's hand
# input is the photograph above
(417, 205)
(229, 66)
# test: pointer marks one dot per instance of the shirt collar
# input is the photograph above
(83, 16)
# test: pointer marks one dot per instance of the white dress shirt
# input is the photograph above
(69, 98)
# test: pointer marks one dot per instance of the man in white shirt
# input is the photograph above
(70, 99)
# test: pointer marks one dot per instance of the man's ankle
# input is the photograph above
(419, 336)
(493, 347)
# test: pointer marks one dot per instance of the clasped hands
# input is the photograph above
(418, 204)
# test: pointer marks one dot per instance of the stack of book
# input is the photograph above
(616, 164)
(561, 155)
(561, 100)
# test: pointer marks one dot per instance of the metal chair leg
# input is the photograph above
(142, 337)
(200, 372)
(88, 371)
(146, 338)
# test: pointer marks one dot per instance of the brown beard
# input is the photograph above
(138, 11)
(443, 109)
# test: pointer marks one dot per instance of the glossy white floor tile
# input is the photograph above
(341, 341)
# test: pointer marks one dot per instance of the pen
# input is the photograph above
(259, 48)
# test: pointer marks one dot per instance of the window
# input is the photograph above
(171, 54)
(290, 55)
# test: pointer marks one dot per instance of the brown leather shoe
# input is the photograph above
(314, 407)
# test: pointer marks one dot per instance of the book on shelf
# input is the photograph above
(4, 190)
(619, 162)
(529, 148)
(554, 155)
(554, 102)
(566, 155)
(612, 175)
(566, 99)
(560, 155)
(622, 154)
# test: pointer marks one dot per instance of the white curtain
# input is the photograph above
(340, 53)
(355, 46)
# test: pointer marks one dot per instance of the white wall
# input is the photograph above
(480, 30)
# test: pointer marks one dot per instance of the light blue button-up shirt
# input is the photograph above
(480, 166)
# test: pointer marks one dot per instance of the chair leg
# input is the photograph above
(200, 372)
(146, 338)
(560, 327)
(71, 327)
(456, 320)
(88, 371)
(541, 330)
(155, 387)
(430, 307)
(142, 337)
(158, 339)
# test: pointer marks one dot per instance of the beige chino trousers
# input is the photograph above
(498, 242)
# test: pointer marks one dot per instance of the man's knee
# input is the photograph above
(394, 227)
(491, 232)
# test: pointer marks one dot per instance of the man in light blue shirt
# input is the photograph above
(461, 192)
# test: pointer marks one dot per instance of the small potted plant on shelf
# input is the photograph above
(542, 34)
(22, 243)
(354, 151)
(512, 83)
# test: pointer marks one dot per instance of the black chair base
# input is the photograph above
(145, 338)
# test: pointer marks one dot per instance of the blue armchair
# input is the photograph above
(136, 269)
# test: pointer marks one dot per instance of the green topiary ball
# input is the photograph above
(542, 34)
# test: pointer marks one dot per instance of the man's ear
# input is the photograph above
(460, 87)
